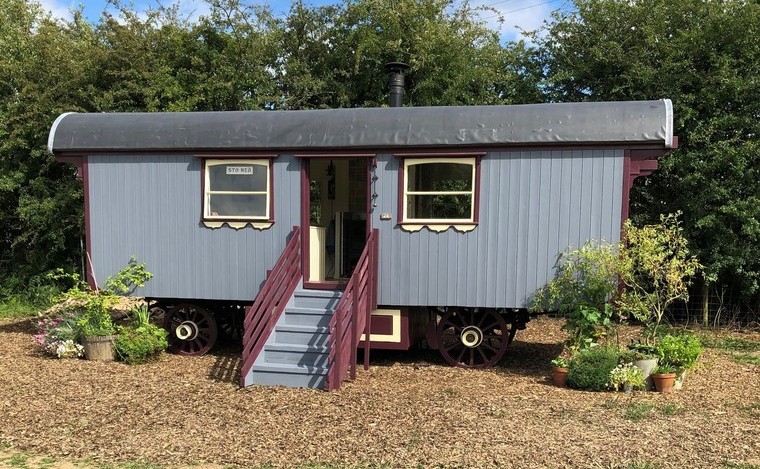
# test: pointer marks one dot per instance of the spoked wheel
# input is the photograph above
(192, 329)
(469, 338)
(230, 322)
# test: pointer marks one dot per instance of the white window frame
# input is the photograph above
(472, 161)
(207, 192)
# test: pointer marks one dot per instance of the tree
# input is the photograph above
(703, 56)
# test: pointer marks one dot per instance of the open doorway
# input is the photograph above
(337, 211)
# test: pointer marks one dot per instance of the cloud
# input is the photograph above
(59, 9)
(517, 15)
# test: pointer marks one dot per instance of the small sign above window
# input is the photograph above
(239, 169)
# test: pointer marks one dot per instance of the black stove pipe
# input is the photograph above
(396, 82)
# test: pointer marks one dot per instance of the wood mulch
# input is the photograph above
(408, 410)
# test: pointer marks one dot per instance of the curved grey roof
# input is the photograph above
(648, 122)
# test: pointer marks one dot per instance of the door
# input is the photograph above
(336, 217)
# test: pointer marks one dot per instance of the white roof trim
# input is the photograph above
(51, 135)
(668, 123)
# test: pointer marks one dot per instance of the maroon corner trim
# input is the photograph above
(305, 219)
(401, 188)
(89, 270)
(639, 162)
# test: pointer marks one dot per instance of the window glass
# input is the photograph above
(238, 177)
(234, 206)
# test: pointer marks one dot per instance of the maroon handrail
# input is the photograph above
(352, 317)
(261, 317)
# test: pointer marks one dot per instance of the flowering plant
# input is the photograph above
(58, 335)
(626, 376)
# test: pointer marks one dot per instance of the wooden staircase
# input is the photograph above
(297, 337)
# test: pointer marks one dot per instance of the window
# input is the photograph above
(439, 190)
(237, 190)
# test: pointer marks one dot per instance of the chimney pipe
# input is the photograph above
(396, 82)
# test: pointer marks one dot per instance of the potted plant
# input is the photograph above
(626, 377)
(680, 353)
(96, 327)
(664, 378)
(559, 371)
(644, 357)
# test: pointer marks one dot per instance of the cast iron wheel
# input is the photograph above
(192, 329)
(469, 338)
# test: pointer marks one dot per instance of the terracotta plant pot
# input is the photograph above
(99, 348)
(664, 381)
(559, 375)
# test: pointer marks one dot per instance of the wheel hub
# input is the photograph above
(471, 336)
(188, 330)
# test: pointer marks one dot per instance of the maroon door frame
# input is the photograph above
(306, 206)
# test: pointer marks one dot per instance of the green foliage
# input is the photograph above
(591, 367)
(655, 266)
(130, 277)
(626, 376)
(560, 362)
(138, 344)
(679, 352)
(701, 55)
(140, 315)
(638, 411)
(585, 281)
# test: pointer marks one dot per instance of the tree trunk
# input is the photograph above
(705, 302)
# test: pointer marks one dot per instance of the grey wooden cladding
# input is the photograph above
(532, 206)
(150, 206)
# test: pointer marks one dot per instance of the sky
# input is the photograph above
(518, 14)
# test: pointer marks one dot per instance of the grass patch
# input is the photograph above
(637, 411)
(731, 465)
(671, 409)
(730, 344)
(13, 308)
(746, 358)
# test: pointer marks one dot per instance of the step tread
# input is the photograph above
(307, 310)
(291, 369)
(278, 347)
(318, 293)
(300, 328)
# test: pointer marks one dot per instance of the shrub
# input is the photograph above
(679, 352)
(656, 267)
(591, 368)
(139, 344)
(585, 281)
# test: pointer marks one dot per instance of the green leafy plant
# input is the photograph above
(140, 315)
(679, 352)
(590, 368)
(561, 362)
(142, 340)
(137, 345)
(125, 281)
(585, 281)
(655, 266)
(626, 376)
